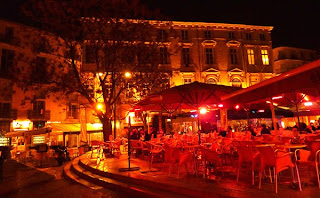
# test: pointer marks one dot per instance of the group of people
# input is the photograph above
(145, 135)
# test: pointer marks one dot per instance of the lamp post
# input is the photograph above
(127, 75)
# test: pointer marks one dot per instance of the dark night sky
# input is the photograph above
(296, 23)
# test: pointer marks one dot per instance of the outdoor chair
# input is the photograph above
(247, 156)
(184, 159)
(310, 157)
(155, 151)
(210, 159)
(277, 160)
(136, 147)
(115, 148)
(171, 157)
(95, 145)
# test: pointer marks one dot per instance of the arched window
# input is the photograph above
(211, 81)
(236, 82)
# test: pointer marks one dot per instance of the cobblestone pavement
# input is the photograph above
(20, 180)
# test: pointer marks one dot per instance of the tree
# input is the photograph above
(87, 46)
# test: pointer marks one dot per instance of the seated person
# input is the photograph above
(309, 129)
(250, 129)
(135, 135)
(264, 130)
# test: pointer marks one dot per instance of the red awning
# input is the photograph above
(304, 79)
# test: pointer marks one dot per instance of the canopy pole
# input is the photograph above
(297, 109)
(199, 127)
(274, 120)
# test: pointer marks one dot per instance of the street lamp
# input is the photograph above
(127, 74)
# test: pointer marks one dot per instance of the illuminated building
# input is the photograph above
(216, 53)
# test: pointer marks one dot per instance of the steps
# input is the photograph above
(77, 171)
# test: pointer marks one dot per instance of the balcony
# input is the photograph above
(35, 115)
(9, 40)
(9, 115)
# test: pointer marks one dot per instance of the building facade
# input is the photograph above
(288, 58)
(226, 54)
(215, 53)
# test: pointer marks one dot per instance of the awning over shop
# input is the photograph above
(15, 134)
(72, 128)
(29, 132)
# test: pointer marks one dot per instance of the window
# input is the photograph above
(164, 56)
(209, 56)
(73, 111)
(186, 57)
(233, 56)
(262, 37)
(8, 37)
(6, 61)
(211, 81)
(39, 107)
(231, 35)
(38, 124)
(162, 35)
(5, 126)
(39, 71)
(293, 55)
(90, 55)
(250, 56)
(207, 34)
(248, 36)
(265, 57)
(5, 108)
(187, 80)
(184, 35)
(282, 55)
(236, 82)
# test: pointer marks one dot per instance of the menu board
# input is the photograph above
(4, 141)
(38, 139)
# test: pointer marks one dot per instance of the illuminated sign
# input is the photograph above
(38, 139)
(4, 141)
(19, 125)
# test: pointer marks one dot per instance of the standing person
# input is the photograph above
(148, 134)
(264, 130)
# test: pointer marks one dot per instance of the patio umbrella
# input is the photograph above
(188, 96)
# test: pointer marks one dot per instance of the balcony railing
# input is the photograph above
(10, 114)
(9, 40)
(35, 115)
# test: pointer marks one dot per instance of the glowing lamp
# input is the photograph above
(132, 114)
(220, 105)
(203, 111)
(276, 97)
(307, 104)
(237, 107)
(127, 75)
(261, 110)
(99, 106)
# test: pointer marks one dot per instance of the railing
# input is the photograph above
(10, 114)
(9, 40)
(32, 115)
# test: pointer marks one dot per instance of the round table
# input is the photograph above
(291, 146)
(263, 145)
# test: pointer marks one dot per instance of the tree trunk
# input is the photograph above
(107, 129)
